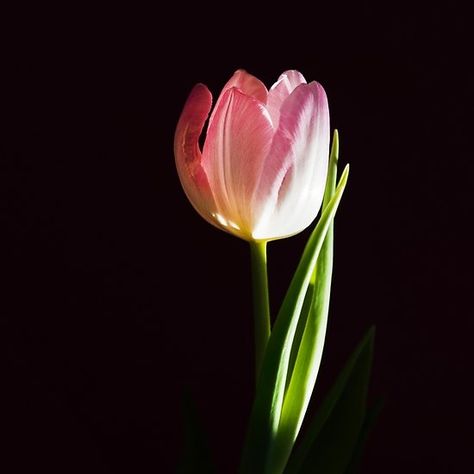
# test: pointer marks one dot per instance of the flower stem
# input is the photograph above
(261, 303)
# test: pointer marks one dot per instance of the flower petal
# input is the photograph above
(282, 88)
(292, 181)
(188, 154)
(247, 83)
(238, 141)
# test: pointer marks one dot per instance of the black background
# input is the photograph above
(118, 296)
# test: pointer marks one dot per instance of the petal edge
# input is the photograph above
(187, 152)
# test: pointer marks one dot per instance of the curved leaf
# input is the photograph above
(271, 384)
(309, 345)
(196, 457)
(330, 440)
(369, 422)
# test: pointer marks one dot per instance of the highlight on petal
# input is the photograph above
(294, 173)
(247, 83)
(188, 154)
(282, 88)
(238, 141)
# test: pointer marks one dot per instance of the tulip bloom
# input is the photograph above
(262, 171)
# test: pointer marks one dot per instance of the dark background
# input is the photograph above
(117, 295)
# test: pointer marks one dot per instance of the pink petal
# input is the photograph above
(247, 83)
(282, 88)
(188, 154)
(238, 140)
(292, 181)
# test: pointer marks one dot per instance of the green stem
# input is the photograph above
(261, 303)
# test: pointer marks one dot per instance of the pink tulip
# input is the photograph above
(262, 171)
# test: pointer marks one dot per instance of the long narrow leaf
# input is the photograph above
(329, 442)
(305, 310)
(310, 346)
(271, 384)
(324, 255)
(196, 457)
(369, 422)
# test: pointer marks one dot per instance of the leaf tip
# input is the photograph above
(370, 334)
(334, 157)
(345, 174)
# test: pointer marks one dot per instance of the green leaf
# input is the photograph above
(271, 384)
(369, 422)
(196, 457)
(330, 441)
(309, 341)
(305, 310)
(323, 255)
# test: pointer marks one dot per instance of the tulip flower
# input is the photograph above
(262, 170)
(261, 175)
